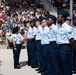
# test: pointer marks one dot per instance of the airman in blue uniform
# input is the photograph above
(65, 43)
(29, 35)
(33, 45)
(38, 45)
(53, 49)
(45, 46)
(13, 36)
(17, 38)
(74, 52)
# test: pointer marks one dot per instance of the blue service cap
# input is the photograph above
(40, 17)
(37, 19)
(63, 13)
(15, 29)
(43, 19)
(52, 17)
(68, 19)
(32, 21)
(74, 18)
(27, 21)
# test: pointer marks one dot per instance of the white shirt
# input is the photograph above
(38, 32)
(52, 33)
(13, 36)
(18, 38)
(63, 34)
(74, 33)
(44, 36)
(31, 32)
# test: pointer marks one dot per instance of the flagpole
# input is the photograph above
(71, 11)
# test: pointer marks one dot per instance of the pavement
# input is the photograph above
(6, 63)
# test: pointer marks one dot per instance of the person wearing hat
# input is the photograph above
(34, 60)
(53, 49)
(17, 41)
(65, 43)
(38, 45)
(45, 46)
(13, 36)
(29, 46)
(68, 22)
(74, 52)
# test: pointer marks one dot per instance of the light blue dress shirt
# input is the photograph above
(52, 33)
(13, 36)
(18, 38)
(44, 36)
(31, 32)
(74, 33)
(38, 32)
(64, 34)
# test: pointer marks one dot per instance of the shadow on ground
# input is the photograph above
(0, 66)
(0, 63)
(24, 63)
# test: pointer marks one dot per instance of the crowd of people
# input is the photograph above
(51, 40)
(12, 15)
(17, 13)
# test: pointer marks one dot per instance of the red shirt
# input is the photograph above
(3, 16)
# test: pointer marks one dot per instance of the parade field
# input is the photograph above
(6, 64)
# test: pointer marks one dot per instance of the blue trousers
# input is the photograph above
(32, 54)
(29, 53)
(75, 45)
(39, 54)
(74, 63)
(45, 52)
(74, 57)
(54, 59)
(65, 55)
(16, 54)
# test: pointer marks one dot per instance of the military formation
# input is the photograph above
(51, 44)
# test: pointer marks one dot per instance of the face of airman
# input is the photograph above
(50, 21)
(74, 22)
(60, 18)
(37, 23)
(44, 23)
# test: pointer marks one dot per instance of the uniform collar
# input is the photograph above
(38, 26)
(44, 27)
(29, 27)
(62, 25)
(52, 25)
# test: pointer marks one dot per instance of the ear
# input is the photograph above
(52, 21)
